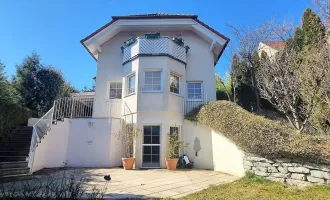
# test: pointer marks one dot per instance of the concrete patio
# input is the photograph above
(152, 183)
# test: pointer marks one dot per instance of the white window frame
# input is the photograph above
(202, 91)
(111, 82)
(179, 76)
(127, 89)
(161, 80)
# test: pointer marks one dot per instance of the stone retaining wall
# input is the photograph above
(288, 170)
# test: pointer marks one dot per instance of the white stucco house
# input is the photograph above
(151, 70)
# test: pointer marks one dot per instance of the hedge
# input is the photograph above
(11, 116)
(261, 136)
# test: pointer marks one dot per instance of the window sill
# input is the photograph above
(175, 94)
(108, 100)
(152, 91)
(195, 100)
(130, 94)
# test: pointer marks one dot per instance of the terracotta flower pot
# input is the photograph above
(171, 163)
(128, 163)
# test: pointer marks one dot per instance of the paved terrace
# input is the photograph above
(153, 183)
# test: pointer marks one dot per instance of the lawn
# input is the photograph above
(252, 187)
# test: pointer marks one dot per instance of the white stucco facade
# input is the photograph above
(80, 143)
(152, 83)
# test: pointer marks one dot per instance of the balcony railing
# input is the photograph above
(163, 46)
(194, 103)
(83, 107)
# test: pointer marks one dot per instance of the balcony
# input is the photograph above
(163, 46)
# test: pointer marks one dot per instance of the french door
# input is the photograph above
(151, 147)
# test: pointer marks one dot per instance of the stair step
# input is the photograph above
(19, 164)
(14, 171)
(14, 153)
(6, 145)
(16, 177)
(12, 158)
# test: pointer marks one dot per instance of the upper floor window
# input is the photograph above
(194, 90)
(152, 80)
(115, 90)
(130, 84)
(174, 83)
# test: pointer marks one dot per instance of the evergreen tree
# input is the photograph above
(38, 85)
(49, 84)
(26, 80)
(5, 92)
(313, 29)
(242, 89)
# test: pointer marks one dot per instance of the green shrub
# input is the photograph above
(11, 116)
(258, 135)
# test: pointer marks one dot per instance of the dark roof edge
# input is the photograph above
(97, 31)
(221, 52)
(155, 17)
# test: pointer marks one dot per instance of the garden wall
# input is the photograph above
(291, 171)
(215, 152)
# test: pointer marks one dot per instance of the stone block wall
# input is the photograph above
(288, 171)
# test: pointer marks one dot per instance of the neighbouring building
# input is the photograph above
(270, 47)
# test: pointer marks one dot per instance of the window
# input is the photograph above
(195, 90)
(115, 90)
(152, 81)
(131, 84)
(174, 84)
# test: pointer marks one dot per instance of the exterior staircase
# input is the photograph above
(14, 152)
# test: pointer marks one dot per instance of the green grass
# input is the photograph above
(257, 188)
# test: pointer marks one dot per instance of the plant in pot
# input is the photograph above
(127, 136)
(172, 154)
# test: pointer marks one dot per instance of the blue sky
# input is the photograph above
(54, 28)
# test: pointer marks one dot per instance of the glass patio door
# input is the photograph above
(151, 147)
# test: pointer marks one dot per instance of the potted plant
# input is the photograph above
(172, 154)
(127, 136)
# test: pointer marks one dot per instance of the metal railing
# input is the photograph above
(40, 129)
(73, 107)
(160, 46)
(194, 103)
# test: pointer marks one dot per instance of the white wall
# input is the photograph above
(227, 157)
(92, 144)
(204, 160)
(51, 152)
(217, 152)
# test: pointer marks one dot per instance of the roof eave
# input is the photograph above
(156, 17)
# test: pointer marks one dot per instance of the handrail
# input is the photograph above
(40, 128)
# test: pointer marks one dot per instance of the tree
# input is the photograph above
(38, 85)
(324, 8)
(5, 94)
(49, 84)
(315, 75)
(248, 42)
(67, 89)
(86, 89)
(281, 85)
(26, 80)
(223, 89)
(241, 84)
(313, 30)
